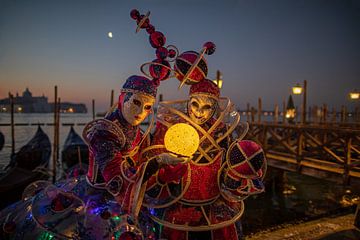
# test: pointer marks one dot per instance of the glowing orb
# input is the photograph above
(181, 139)
(110, 35)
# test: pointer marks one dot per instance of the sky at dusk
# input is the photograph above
(263, 47)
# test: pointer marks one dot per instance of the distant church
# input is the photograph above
(29, 104)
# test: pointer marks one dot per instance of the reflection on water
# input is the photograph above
(289, 197)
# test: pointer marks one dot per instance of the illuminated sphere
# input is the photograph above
(246, 158)
(184, 62)
(182, 139)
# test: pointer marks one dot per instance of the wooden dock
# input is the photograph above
(329, 152)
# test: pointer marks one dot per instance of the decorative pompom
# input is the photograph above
(161, 70)
(246, 158)
(161, 53)
(134, 14)
(150, 29)
(183, 64)
(210, 48)
(171, 53)
(157, 39)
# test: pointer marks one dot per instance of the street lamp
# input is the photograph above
(354, 95)
(218, 81)
(297, 90)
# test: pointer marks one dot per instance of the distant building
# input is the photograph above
(29, 104)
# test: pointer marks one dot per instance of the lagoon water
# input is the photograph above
(299, 198)
(24, 133)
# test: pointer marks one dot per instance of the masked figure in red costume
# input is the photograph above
(105, 203)
(202, 198)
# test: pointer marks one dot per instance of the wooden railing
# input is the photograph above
(317, 150)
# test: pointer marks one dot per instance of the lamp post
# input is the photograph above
(354, 95)
(218, 81)
(297, 90)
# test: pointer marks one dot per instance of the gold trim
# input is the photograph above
(212, 161)
(160, 64)
(146, 16)
(131, 179)
(198, 202)
(193, 66)
(206, 217)
(128, 90)
(188, 181)
(188, 119)
(201, 228)
(205, 95)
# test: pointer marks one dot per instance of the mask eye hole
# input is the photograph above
(194, 104)
(137, 102)
(207, 107)
(147, 107)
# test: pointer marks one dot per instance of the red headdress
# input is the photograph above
(205, 87)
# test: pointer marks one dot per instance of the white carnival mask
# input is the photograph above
(136, 108)
(201, 108)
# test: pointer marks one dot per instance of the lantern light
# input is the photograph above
(354, 95)
(181, 139)
(297, 89)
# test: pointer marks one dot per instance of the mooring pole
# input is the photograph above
(12, 124)
(55, 138)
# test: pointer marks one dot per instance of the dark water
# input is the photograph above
(289, 197)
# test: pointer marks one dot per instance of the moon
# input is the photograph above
(110, 35)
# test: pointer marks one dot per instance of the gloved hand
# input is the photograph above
(172, 173)
(168, 159)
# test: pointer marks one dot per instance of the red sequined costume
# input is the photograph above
(206, 198)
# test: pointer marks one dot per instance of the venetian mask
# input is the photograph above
(201, 108)
(136, 107)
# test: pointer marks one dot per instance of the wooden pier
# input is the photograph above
(330, 151)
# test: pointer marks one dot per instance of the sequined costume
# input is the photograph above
(206, 200)
(100, 205)
(105, 203)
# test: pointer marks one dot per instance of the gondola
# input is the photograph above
(75, 154)
(2, 140)
(27, 165)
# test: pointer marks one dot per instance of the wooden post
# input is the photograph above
(93, 109)
(112, 98)
(347, 161)
(321, 115)
(160, 97)
(252, 114)
(284, 112)
(303, 117)
(276, 114)
(325, 112)
(342, 114)
(55, 132)
(11, 97)
(299, 152)
(333, 117)
(259, 110)
(248, 112)
(310, 115)
(58, 129)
